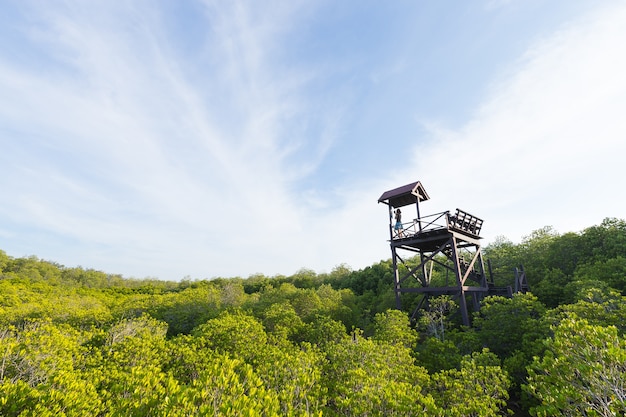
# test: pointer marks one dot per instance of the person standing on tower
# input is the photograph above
(398, 227)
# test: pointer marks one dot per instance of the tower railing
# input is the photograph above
(424, 224)
(461, 221)
(465, 222)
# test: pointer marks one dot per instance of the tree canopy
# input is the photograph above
(76, 341)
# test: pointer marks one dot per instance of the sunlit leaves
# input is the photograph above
(434, 320)
(366, 377)
(581, 373)
(78, 342)
(41, 372)
(479, 388)
(237, 334)
(393, 327)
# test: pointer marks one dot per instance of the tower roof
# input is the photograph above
(405, 195)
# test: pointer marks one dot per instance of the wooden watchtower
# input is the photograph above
(448, 241)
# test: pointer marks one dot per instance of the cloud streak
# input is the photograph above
(546, 147)
(135, 148)
(129, 148)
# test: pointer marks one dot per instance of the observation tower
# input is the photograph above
(448, 245)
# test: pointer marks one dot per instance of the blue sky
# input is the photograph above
(228, 138)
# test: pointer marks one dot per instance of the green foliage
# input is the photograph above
(434, 320)
(505, 325)
(323, 331)
(598, 307)
(76, 342)
(553, 261)
(295, 375)
(478, 388)
(144, 327)
(40, 372)
(552, 287)
(237, 334)
(373, 288)
(393, 327)
(610, 271)
(437, 355)
(366, 377)
(513, 329)
(581, 373)
(281, 321)
(503, 256)
(38, 352)
(185, 310)
(230, 388)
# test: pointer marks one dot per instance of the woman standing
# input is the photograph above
(398, 227)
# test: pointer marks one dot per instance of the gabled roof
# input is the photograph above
(405, 195)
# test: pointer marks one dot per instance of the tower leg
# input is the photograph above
(396, 277)
(463, 308)
(459, 281)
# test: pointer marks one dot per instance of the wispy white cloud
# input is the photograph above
(129, 153)
(496, 4)
(545, 148)
(143, 154)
